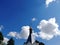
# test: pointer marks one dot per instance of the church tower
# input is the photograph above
(29, 40)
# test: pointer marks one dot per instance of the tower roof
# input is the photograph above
(29, 37)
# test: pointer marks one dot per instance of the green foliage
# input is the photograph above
(11, 42)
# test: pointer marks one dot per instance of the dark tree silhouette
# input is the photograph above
(11, 42)
(41, 43)
(1, 36)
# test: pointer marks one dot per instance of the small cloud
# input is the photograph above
(13, 34)
(33, 19)
(1, 27)
(48, 29)
(48, 2)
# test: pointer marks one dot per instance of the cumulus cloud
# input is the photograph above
(5, 40)
(48, 29)
(48, 2)
(22, 35)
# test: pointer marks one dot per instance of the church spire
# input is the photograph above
(29, 38)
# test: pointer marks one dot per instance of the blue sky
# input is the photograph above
(16, 13)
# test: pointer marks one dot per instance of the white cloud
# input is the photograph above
(33, 19)
(45, 36)
(25, 32)
(33, 36)
(5, 40)
(48, 29)
(22, 35)
(48, 2)
(13, 34)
